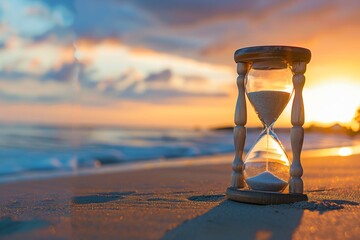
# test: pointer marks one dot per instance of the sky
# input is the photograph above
(167, 64)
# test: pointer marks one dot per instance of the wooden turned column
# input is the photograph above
(297, 131)
(237, 178)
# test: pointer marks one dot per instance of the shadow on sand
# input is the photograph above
(232, 220)
(100, 197)
(9, 226)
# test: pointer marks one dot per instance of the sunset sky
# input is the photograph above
(166, 63)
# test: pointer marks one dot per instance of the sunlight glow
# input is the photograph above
(335, 101)
(345, 151)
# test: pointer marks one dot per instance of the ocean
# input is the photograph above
(34, 148)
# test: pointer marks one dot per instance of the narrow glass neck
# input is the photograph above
(268, 128)
(270, 132)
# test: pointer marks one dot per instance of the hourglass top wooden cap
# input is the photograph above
(263, 53)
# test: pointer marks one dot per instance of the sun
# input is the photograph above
(334, 101)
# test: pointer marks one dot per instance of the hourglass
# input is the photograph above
(268, 76)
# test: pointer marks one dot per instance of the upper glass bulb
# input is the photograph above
(269, 87)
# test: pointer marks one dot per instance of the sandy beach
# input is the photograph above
(182, 202)
(125, 119)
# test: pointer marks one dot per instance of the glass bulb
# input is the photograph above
(269, 87)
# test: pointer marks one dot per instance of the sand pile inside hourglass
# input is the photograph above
(268, 105)
(266, 181)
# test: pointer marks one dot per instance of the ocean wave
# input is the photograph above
(35, 148)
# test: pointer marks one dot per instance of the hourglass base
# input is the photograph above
(262, 197)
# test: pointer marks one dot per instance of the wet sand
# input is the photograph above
(183, 202)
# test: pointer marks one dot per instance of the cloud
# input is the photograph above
(155, 87)
(110, 18)
(12, 76)
(109, 60)
(188, 12)
(162, 76)
(144, 50)
(32, 90)
(126, 79)
(30, 19)
(65, 73)
(158, 95)
(211, 30)
(34, 58)
(295, 23)
(194, 78)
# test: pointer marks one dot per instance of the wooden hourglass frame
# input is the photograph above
(297, 58)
